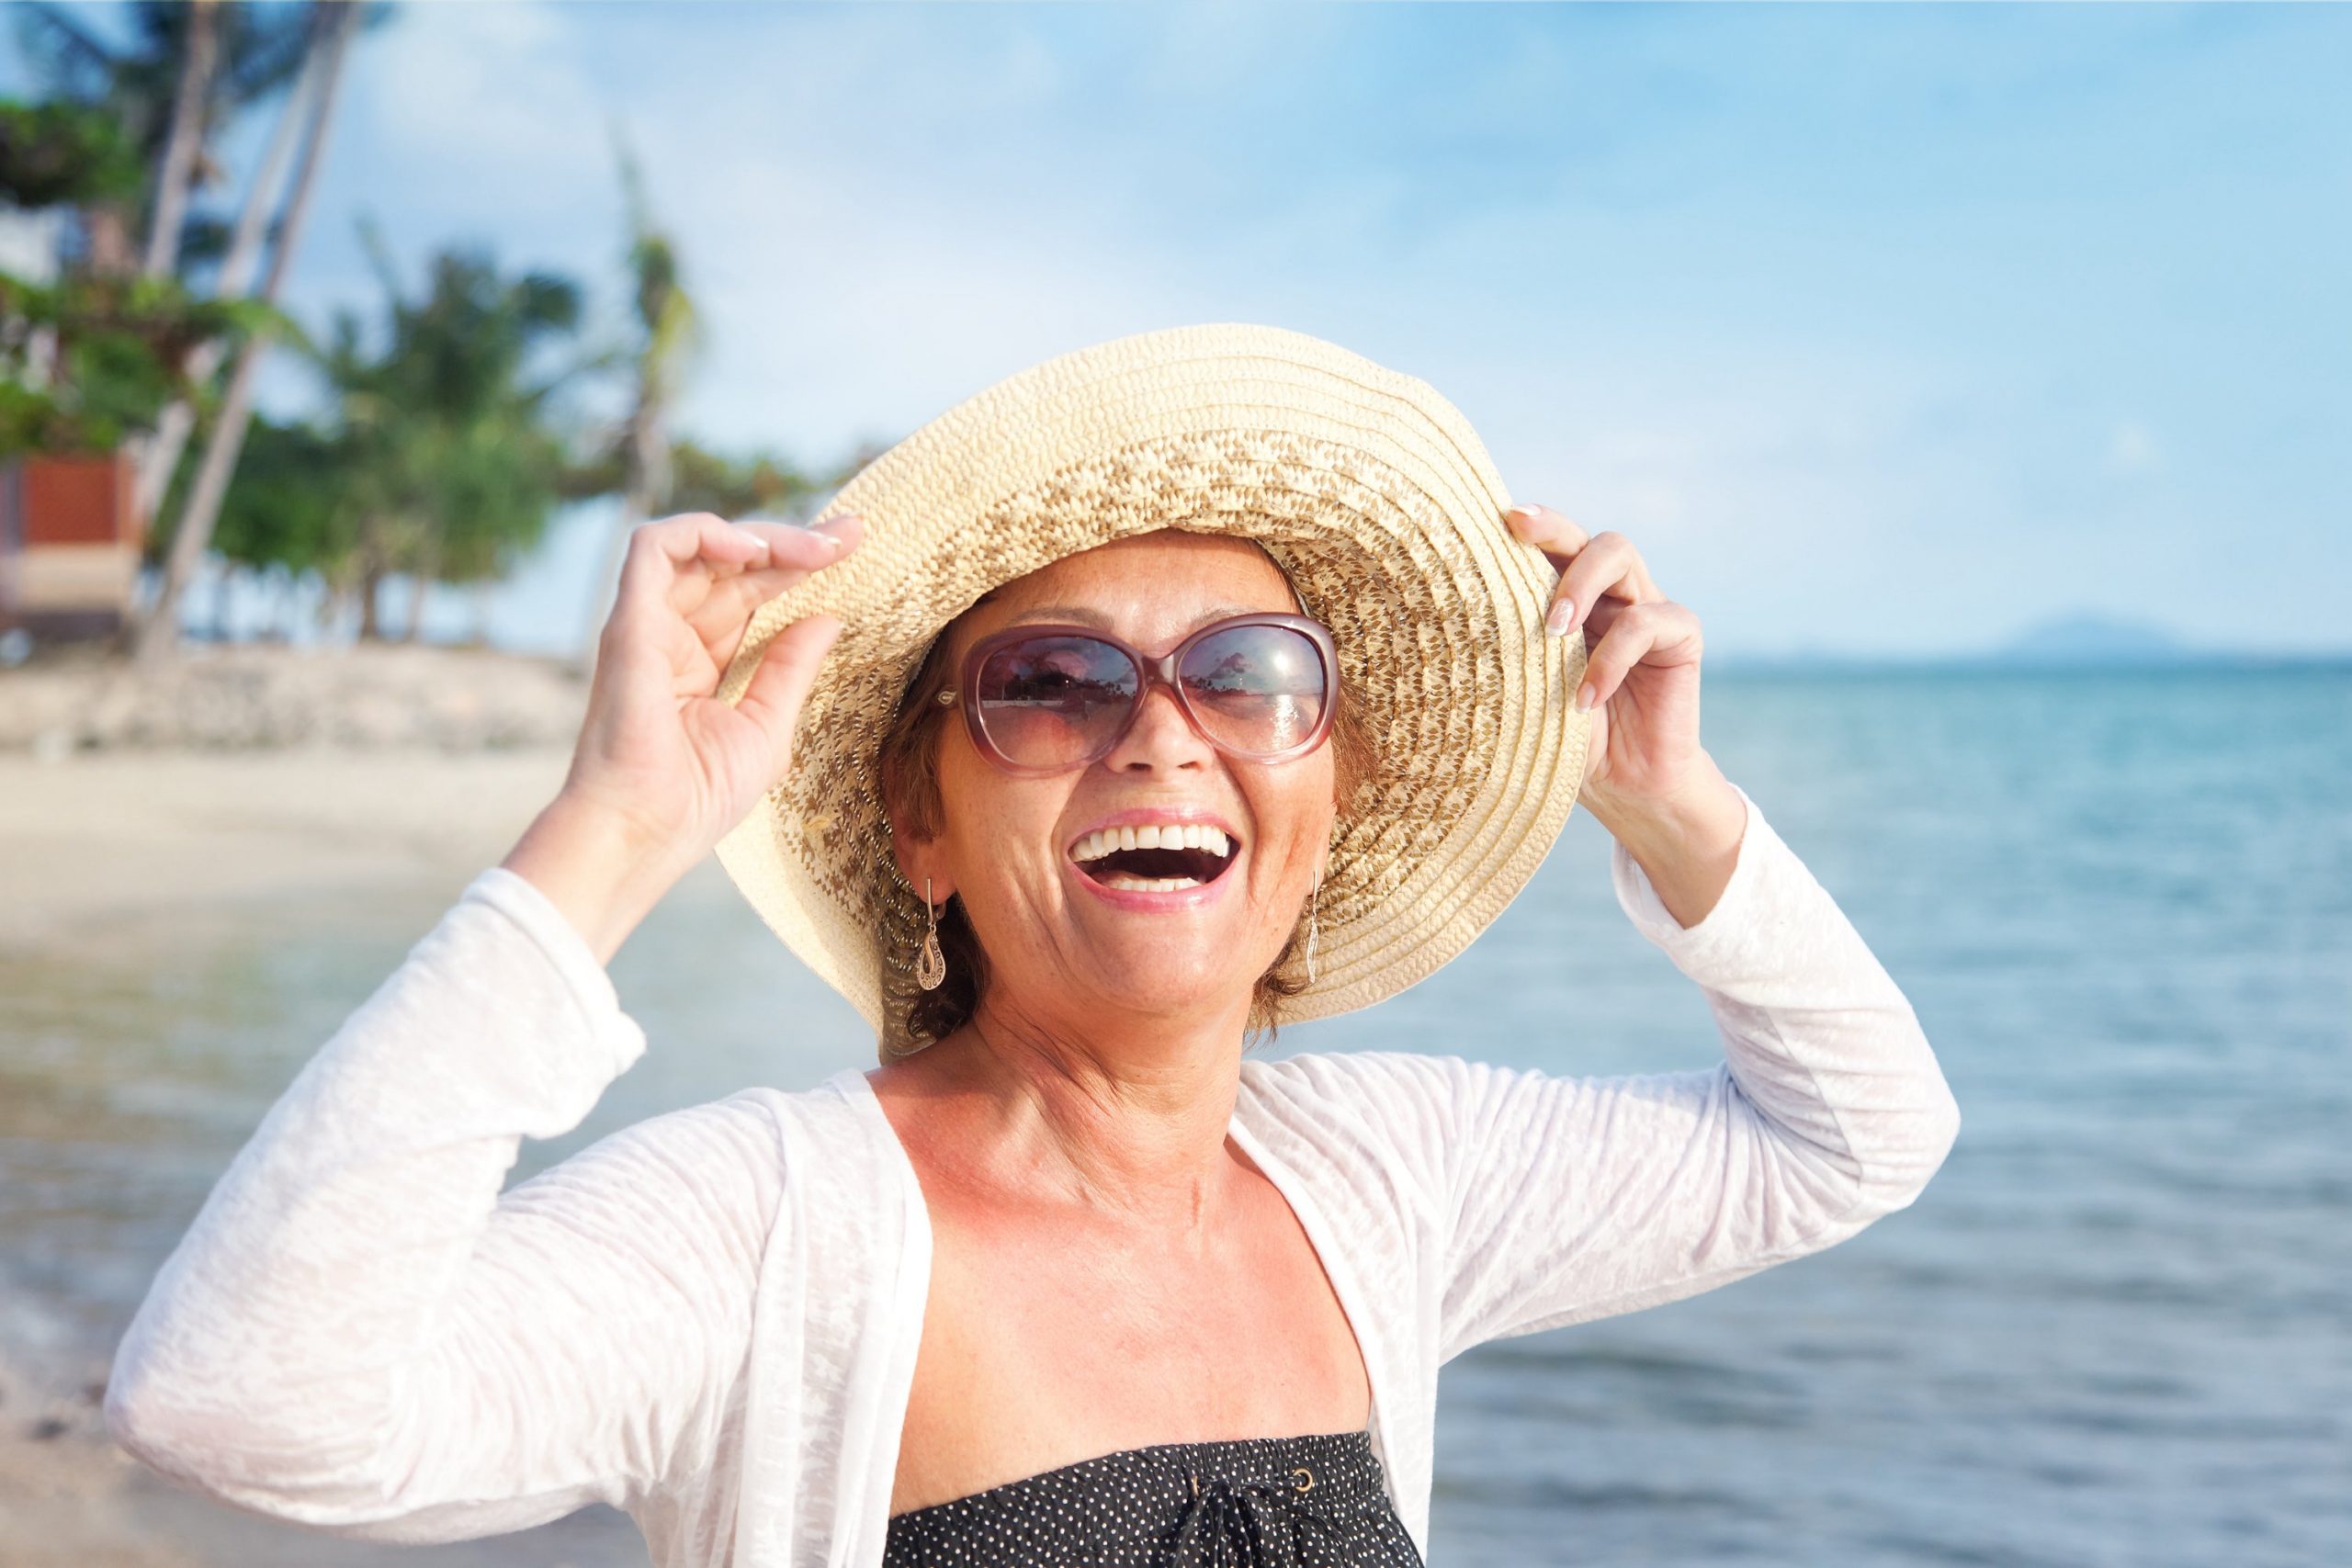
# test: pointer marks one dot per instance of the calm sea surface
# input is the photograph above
(2116, 1330)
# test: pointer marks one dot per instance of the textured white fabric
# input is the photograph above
(709, 1319)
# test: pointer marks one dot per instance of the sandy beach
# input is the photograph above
(102, 837)
(241, 773)
(251, 779)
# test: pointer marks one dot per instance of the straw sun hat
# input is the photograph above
(1368, 489)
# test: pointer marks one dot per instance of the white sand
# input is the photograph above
(97, 835)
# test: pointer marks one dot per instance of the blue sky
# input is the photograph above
(1878, 329)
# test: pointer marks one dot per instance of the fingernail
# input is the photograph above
(1584, 696)
(1521, 516)
(1562, 616)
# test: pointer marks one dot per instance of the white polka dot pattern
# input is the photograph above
(1317, 1501)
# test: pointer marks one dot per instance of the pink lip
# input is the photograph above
(1129, 898)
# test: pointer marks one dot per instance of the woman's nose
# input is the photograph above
(1160, 738)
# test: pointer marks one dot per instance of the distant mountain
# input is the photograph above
(2093, 639)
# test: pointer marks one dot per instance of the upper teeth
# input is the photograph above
(1153, 836)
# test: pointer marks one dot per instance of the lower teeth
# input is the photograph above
(1126, 881)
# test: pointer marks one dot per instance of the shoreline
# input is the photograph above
(265, 696)
(117, 849)
(235, 772)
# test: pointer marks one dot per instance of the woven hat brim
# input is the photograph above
(1370, 490)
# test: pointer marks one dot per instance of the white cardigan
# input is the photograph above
(709, 1319)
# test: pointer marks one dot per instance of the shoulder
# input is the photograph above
(1401, 1087)
(834, 1124)
(1369, 1120)
(786, 1186)
(753, 1142)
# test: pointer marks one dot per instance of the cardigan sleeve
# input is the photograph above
(360, 1333)
(1557, 1199)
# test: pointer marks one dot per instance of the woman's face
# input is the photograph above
(1071, 939)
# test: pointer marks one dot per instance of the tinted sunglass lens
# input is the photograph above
(1049, 702)
(1257, 690)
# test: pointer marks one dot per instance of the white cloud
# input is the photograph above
(2132, 450)
(478, 95)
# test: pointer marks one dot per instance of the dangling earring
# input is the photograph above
(1312, 895)
(931, 966)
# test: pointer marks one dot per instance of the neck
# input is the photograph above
(1124, 1114)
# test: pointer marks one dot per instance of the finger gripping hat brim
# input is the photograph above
(1366, 487)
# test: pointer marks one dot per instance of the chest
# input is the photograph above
(1051, 1338)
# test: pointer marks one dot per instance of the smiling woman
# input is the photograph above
(1127, 851)
(1179, 685)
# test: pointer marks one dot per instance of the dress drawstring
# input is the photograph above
(1245, 1524)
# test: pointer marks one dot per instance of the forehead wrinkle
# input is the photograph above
(1088, 616)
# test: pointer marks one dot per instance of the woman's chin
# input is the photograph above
(1168, 975)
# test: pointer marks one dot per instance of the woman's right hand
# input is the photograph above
(663, 769)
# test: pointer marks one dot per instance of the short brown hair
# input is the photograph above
(910, 763)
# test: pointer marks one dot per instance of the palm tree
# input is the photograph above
(187, 71)
(200, 51)
(162, 458)
(88, 361)
(668, 335)
(157, 633)
(444, 454)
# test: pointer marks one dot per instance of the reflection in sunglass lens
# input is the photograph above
(1051, 701)
(1257, 690)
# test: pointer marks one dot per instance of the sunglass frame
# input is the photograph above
(1161, 670)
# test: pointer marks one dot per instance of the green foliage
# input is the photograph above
(94, 358)
(440, 448)
(443, 453)
(260, 49)
(757, 486)
(59, 152)
(291, 508)
(666, 313)
(89, 359)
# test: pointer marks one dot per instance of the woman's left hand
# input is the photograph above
(1641, 678)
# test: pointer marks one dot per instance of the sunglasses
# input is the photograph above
(1046, 699)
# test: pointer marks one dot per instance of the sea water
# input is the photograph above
(2112, 1331)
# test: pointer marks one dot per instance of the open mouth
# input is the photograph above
(1155, 858)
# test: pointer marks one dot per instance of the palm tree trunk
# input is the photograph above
(645, 462)
(159, 634)
(370, 567)
(198, 51)
(224, 589)
(477, 617)
(106, 232)
(237, 269)
(333, 609)
(427, 567)
(277, 605)
(371, 594)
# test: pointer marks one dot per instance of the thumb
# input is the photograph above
(780, 685)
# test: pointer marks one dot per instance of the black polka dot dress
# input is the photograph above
(1315, 1501)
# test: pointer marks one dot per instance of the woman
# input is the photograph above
(1069, 799)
